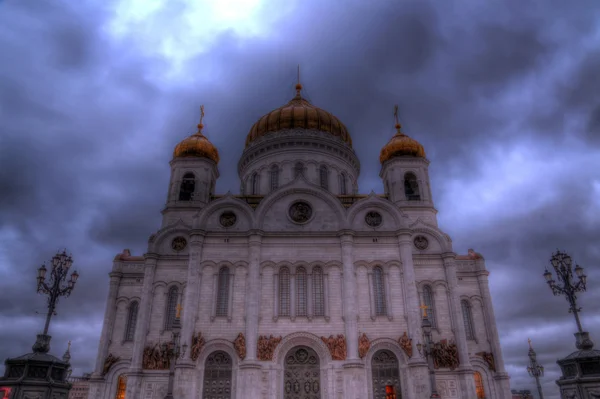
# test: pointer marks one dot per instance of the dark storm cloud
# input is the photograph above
(89, 123)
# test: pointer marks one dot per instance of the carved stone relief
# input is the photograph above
(406, 344)
(421, 242)
(227, 219)
(155, 358)
(489, 359)
(178, 244)
(363, 345)
(197, 345)
(373, 219)
(265, 347)
(337, 346)
(240, 346)
(109, 362)
(300, 212)
(445, 355)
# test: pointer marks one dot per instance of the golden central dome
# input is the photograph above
(298, 114)
(197, 145)
(400, 145)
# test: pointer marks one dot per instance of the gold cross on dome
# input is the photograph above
(424, 307)
(396, 113)
(179, 309)
(529, 341)
(69, 346)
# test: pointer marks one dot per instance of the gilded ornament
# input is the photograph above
(178, 244)
(489, 359)
(401, 144)
(265, 347)
(363, 345)
(337, 346)
(197, 345)
(109, 362)
(406, 344)
(240, 346)
(445, 355)
(197, 145)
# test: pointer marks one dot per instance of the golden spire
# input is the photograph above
(398, 126)
(298, 85)
(179, 309)
(424, 307)
(201, 125)
(529, 341)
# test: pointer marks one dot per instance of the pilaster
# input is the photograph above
(192, 291)
(109, 321)
(349, 295)
(252, 296)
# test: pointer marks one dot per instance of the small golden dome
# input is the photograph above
(298, 114)
(400, 145)
(197, 145)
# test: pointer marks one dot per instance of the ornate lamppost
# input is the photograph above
(568, 287)
(174, 351)
(428, 350)
(534, 369)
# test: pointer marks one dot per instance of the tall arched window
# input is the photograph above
(121, 387)
(323, 176)
(223, 292)
(411, 187)
(379, 292)
(171, 310)
(284, 292)
(274, 177)
(318, 291)
(255, 184)
(298, 169)
(428, 301)
(301, 287)
(188, 185)
(479, 389)
(131, 320)
(343, 184)
(467, 319)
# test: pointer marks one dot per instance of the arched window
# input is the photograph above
(188, 185)
(255, 184)
(379, 292)
(301, 303)
(121, 387)
(131, 320)
(428, 301)
(323, 175)
(467, 319)
(298, 169)
(171, 307)
(343, 184)
(274, 177)
(223, 292)
(479, 389)
(284, 292)
(318, 292)
(411, 187)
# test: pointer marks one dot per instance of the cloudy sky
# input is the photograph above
(504, 95)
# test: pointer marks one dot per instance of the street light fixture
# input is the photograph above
(428, 351)
(174, 351)
(534, 369)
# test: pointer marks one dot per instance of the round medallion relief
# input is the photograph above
(300, 212)
(421, 242)
(178, 244)
(373, 219)
(227, 219)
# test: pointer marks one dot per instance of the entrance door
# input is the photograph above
(386, 376)
(301, 378)
(217, 376)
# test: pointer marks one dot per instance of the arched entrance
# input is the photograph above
(386, 375)
(217, 376)
(302, 376)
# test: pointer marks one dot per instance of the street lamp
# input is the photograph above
(54, 288)
(174, 351)
(561, 262)
(428, 350)
(534, 369)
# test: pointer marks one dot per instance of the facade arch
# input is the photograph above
(302, 339)
(372, 201)
(218, 345)
(392, 346)
(228, 201)
(481, 367)
(119, 368)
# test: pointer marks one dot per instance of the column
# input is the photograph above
(109, 321)
(412, 297)
(467, 382)
(349, 293)
(252, 296)
(134, 376)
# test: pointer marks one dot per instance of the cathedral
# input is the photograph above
(300, 286)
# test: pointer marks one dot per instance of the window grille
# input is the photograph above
(298, 169)
(379, 291)
(467, 319)
(323, 177)
(284, 292)
(187, 188)
(131, 321)
(343, 184)
(255, 184)
(318, 292)
(301, 305)
(171, 307)
(121, 387)
(223, 292)
(479, 389)
(274, 178)
(428, 300)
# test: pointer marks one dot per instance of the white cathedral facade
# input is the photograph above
(299, 287)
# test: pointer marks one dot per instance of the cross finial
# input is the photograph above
(201, 125)
(529, 341)
(69, 346)
(298, 85)
(424, 308)
(398, 126)
(179, 309)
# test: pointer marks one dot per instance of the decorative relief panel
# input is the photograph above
(373, 219)
(300, 212)
(178, 244)
(337, 346)
(421, 242)
(265, 347)
(155, 358)
(227, 219)
(197, 345)
(363, 345)
(447, 388)
(489, 359)
(109, 362)
(406, 344)
(445, 355)
(240, 346)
